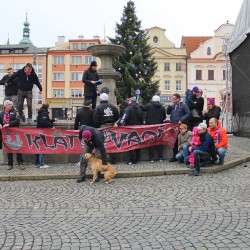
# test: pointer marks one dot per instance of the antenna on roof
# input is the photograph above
(8, 41)
(104, 32)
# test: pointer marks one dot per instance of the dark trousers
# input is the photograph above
(22, 95)
(92, 99)
(175, 148)
(10, 159)
(134, 155)
(200, 156)
(158, 149)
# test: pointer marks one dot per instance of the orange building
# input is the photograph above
(16, 56)
(65, 65)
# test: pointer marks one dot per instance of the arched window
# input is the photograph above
(209, 51)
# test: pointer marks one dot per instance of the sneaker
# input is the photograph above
(173, 159)
(160, 159)
(45, 166)
(9, 167)
(194, 173)
(151, 161)
(37, 166)
(21, 166)
(131, 163)
(78, 164)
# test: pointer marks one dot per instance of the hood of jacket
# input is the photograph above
(156, 104)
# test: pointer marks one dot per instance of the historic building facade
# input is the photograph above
(171, 63)
(207, 66)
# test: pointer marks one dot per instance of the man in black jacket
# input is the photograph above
(155, 114)
(10, 118)
(11, 90)
(93, 139)
(133, 115)
(84, 116)
(90, 79)
(27, 78)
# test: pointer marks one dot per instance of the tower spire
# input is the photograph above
(26, 32)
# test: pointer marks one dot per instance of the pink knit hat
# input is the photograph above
(210, 101)
(86, 135)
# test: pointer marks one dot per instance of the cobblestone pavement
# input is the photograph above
(238, 147)
(166, 212)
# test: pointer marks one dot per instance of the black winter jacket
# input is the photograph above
(105, 113)
(132, 115)
(156, 113)
(84, 116)
(97, 141)
(89, 88)
(11, 88)
(213, 113)
(26, 82)
(43, 120)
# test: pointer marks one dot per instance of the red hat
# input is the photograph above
(86, 135)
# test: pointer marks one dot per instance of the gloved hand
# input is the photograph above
(98, 82)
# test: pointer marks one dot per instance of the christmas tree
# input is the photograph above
(137, 64)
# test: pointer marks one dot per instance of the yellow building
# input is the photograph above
(171, 63)
(65, 66)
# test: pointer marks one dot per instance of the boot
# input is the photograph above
(9, 167)
(81, 179)
(21, 166)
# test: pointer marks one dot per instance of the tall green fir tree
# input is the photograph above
(136, 65)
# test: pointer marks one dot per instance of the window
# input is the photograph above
(76, 76)
(76, 93)
(210, 75)
(18, 51)
(224, 75)
(89, 59)
(198, 74)
(178, 85)
(76, 60)
(75, 45)
(178, 66)
(208, 51)
(58, 76)
(17, 66)
(2, 68)
(166, 66)
(58, 60)
(59, 93)
(83, 45)
(5, 51)
(155, 39)
(167, 85)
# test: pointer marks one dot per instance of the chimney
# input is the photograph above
(61, 40)
(81, 37)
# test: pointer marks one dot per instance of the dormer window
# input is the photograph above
(208, 51)
(5, 51)
(18, 51)
(155, 39)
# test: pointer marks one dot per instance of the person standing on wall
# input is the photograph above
(91, 80)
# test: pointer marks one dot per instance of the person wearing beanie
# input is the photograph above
(27, 77)
(91, 139)
(43, 121)
(10, 118)
(91, 81)
(213, 111)
(132, 115)
(155, 114)
(105, 115)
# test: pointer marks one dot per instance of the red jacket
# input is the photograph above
(219, 135)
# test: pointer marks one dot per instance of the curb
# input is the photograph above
(129, 174)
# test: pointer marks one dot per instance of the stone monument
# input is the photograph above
(106, 52)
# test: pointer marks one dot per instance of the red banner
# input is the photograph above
(58, 141)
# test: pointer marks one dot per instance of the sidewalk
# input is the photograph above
(238, 153)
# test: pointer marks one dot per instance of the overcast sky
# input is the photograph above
(51, 18)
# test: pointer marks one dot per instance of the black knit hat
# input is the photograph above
(87, 102)
(93, 63)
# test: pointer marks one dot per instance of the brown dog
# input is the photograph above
(96, 166)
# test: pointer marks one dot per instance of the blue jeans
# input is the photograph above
(200, 155)
(39, 160)
(183, 156)
(222, 153)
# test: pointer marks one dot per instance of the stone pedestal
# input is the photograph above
(106, 52)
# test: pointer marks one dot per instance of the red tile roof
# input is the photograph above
(192, 42)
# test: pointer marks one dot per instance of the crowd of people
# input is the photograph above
(201, 137)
